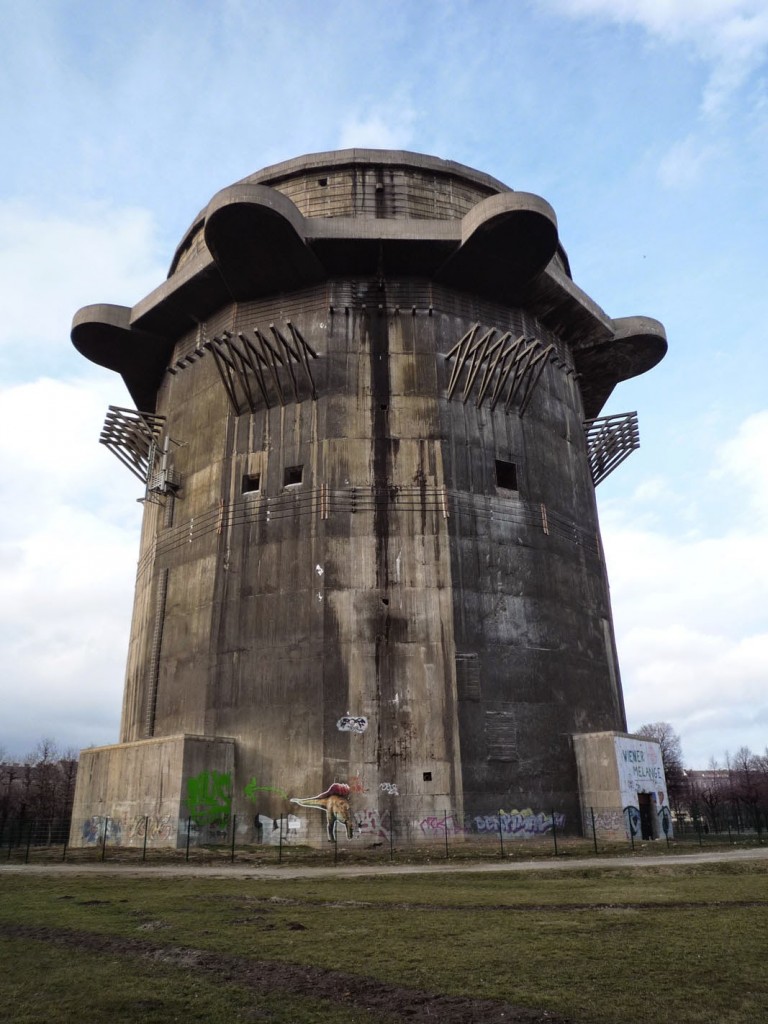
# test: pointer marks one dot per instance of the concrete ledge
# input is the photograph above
(103, 334)
(256, 237)
(637, 345)
(507, 240)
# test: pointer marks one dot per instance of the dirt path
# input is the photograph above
(384, 869)
(392, 1002)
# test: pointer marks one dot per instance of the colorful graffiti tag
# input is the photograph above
(373, 825)
(252, 787)
(335, 803)
(437, 825)
(209, 797)
(517, 823)
(94, 828)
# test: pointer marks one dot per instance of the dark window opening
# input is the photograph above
(292, 475)
(251, 482)
(427, 776)
(322, 181)
(506, 475)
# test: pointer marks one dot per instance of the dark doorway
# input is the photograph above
(646, 815)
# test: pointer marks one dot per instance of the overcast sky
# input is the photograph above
(645, 125)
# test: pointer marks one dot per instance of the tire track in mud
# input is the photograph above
(270, 977)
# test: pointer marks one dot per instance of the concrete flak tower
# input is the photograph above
(368, 431)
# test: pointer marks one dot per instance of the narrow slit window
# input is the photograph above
(251, 483)
(292, 475)
(506, 475)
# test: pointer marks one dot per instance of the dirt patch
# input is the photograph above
(517, 908)
(269, 977)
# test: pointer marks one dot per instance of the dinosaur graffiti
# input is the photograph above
(336, 806)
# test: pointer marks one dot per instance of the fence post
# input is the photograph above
(104, 839)
(66, 843)
(335, 844)
(501, 836)
(10, 839)
(391, 834)
(594, 830)
(232, 852)
(730, 839)
(146, 829)
(280, 841)
(445, 826)
(29, 841)
(554, 831)
(189, 829)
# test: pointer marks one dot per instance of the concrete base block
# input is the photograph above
(147, 790)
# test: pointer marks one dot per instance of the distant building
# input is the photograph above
(368, 432)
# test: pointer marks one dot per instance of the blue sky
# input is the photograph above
(645, 125)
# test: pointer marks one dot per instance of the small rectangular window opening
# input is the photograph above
(427, 776)
(322, 181)
(251, 482)
(506, 475)
(292, 475)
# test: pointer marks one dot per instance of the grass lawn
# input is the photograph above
(676, 943)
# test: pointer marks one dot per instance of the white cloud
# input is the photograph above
(379, 128)
(690, 606)
(51, 264)
(685, 162)
(69, 527)
(730, 35)
(743, 459)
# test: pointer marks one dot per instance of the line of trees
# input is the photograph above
(732, 794)
(40, 789)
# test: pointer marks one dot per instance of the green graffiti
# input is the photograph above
(209, 797)
(253, 787)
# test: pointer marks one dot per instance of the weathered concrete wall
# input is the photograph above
(142, 789)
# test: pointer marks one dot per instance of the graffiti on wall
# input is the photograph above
(276, 831)
(439, 825)
(335, 803)
(632, 820)
(348, 723)
(209, 797)
(604, 821)
(94, 828)
(371, 824)
(357, 784)
(518, 823)
(389, 788)
(641, 770)
(153, 826)
(252, 787)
